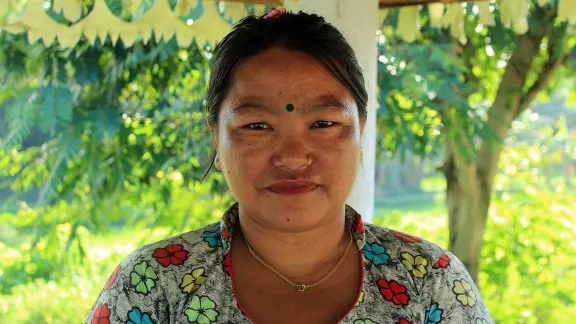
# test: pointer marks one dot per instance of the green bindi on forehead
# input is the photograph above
(290, 107)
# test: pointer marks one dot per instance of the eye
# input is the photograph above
(324, 124)
(257, 126)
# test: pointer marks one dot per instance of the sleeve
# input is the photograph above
(132, 294)
(454, 296)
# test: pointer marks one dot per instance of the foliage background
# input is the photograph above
(102, 149)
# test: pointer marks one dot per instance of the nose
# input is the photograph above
(292, 153)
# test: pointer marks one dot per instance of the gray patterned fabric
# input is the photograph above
(186, 279)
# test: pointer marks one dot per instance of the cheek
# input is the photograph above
(342, 142)
(237, 151)
(340, 151)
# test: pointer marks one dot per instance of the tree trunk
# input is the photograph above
(470, 181)
(468, 203)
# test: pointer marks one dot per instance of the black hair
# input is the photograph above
(308, 33)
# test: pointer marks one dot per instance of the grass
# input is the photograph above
(428, 219)
(68, 298)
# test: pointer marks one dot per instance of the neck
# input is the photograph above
(303, 256)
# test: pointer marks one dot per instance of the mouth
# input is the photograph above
(293, 187)
(292, 190)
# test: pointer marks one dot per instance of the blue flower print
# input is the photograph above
(214, 239)
(376, 253)
(135, 316)
(433, 314)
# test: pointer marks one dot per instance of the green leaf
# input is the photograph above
(55, 109)
(73, 235)
(87, 67)
(409, 83)
(21, 117)
(486, 133)
(67, 149)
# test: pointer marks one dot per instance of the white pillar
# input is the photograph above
(358, 22)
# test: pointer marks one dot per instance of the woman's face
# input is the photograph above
(260, 143)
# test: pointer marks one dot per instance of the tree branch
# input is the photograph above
(506, 103)
(556, 58)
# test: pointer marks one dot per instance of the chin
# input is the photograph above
(297, 223)
(294, 216)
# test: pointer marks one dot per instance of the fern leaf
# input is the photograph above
(16, 136)
(55, 109)
(67, 147)
(20, 119)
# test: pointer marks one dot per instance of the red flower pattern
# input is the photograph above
(394, 292)
(443, 262)
(112, 278)
(406, 238)
(405, 321)
(358, 224)
(227, 265)
(225, 233)
(171, 254)
(101, 315)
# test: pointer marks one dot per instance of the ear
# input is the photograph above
(217, 161)
(214, 134)
(362, 124)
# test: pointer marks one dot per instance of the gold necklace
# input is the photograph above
(302, 287)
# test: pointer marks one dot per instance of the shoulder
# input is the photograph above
(153, 270)
(145, 282)
(164, 260)
(177, 249)
(405, 247)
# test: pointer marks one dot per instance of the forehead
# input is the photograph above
(280, 74)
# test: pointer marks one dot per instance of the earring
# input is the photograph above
(309, 161)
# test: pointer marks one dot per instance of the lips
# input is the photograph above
(292, 187)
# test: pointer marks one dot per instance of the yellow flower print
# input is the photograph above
(192, 281)
(415, 265)
(464, 293)
(361, 299)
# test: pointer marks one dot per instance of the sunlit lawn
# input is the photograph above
(68, 299)
(428, 220)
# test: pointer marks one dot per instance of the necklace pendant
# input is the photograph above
(301, 288)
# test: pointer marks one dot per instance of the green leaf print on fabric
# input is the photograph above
(482, 321)
(364, 321)
(143, 278)
(202, 310)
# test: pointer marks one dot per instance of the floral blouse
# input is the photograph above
(187, 279)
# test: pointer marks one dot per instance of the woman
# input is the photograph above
(286, 109)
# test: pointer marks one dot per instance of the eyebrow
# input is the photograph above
(321, 103)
